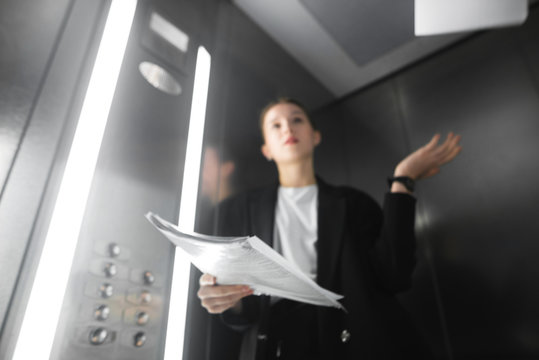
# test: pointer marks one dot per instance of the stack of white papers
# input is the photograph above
(247, 261)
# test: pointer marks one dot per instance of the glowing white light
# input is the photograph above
(180, 276)
(42, 313)
(435, 17)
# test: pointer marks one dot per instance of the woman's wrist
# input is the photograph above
(398, 187)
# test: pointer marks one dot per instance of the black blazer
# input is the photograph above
(364, 253)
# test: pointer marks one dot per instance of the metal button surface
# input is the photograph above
(105, 290)
(142, 318)
(145, 297)
(345, 336)
(102, 312)
(149, 278)
(262, 337)
(139, 339)
(110, 270)
(114, 250)
(98, 336)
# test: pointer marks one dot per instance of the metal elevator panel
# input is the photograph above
(476, 220)
(116, 303)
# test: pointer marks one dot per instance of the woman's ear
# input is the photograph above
(317, 137)
(265, 152)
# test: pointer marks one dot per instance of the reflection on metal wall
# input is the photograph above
(39, 87)
(117, 295)
(474, 290)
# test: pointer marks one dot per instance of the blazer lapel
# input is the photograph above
(262, 213)
(331, 220)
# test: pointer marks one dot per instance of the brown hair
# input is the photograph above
(282, 100)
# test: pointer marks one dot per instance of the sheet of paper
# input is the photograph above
(248, 261)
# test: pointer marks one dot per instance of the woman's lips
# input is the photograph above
(291, 140)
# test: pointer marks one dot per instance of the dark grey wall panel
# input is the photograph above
(480, 211)
(474, 290)
(526, 39)
(370, 121)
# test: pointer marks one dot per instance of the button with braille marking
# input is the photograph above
(114, 250)
(148, 277)
(142, 318)
(110, 270)
(139, 339)
(102, 312)
(98, 336)
(105, 290)
(345, 336)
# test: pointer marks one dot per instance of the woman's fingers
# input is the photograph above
(218, 298)
(426, 161)
(223, 299)
(207, 279)
(433, 142)
(449, 149)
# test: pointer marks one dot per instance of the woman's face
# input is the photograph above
(288, 134)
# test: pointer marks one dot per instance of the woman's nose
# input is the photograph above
(286, 128)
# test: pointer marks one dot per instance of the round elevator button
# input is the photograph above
(98, 336)
(149, 278)
(102, 312)
(142, 318)
(139, 339)
(145, 297)
(105, 290)
(345, 336)
(114, 250)
(110, 270)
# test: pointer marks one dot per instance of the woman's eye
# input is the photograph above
(276, 125)
(297, 120)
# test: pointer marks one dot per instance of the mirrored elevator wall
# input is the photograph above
(474, 293)
(41, 65)
(116, 302)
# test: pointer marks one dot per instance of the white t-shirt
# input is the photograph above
(296, 226)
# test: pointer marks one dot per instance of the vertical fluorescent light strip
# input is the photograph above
(42, 313)
(180, 275)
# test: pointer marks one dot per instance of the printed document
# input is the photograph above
(247, 261)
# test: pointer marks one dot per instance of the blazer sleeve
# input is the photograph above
(392, 253)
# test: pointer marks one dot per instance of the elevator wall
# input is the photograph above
(39, 71)
(475, 292)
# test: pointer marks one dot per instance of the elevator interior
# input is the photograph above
(474, 290)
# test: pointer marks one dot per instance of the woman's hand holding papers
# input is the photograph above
(219, 298)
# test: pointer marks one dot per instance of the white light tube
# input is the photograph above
(40, 320)
(180, 275)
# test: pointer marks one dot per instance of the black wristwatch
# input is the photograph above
(408, 182)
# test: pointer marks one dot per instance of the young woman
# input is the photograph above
(337, 235)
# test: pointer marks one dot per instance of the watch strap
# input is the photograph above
(407, 181)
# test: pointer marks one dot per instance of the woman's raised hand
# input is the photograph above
(426, 161)
(219, 298)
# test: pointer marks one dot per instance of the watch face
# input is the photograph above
(409, 183)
